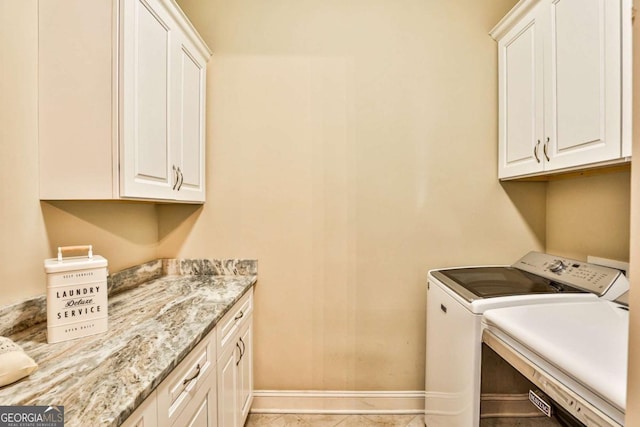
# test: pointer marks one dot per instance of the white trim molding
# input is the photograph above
(337, 402)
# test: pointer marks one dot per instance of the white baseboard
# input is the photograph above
(337, 402)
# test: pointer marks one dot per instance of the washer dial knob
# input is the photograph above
(557, 266)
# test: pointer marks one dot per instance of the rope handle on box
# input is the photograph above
(88, 248)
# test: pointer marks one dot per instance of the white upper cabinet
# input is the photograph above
(188, 121)
(147, 160)
(564, 86)
(122, 87)
(521, 112)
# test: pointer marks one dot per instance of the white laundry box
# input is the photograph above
(76, 295)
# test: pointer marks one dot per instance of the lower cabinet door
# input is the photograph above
(146, 415)
(201, 411)
(227, 388)
(245, 370)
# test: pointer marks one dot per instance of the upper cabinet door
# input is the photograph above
(188, 125)
(521, 93)
(146, 157)
(583, 82)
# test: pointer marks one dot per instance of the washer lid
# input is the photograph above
(488, 282)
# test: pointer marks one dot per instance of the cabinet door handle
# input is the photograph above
(239, 316)
(175, 184)
(239, 358)
(188, 380)
(181, 179)
(535, 151)
(544, 149)
(243, 348)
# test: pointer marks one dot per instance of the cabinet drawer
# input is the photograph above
(232, 321)
(177, 391)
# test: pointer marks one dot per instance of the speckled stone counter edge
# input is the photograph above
(25, 314)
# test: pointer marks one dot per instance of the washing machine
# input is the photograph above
(458, 297)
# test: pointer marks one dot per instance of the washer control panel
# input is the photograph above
(590, 277)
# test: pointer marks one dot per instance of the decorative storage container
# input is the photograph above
(76, 295)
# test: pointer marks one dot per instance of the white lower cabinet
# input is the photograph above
(201, 410)
(145, 415)
(213, 385)
(235, 363)
(227, 380)
(245, 369)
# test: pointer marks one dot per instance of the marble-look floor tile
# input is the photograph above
(288, 420)
(390, 420)
(353, 421)
(261, 419)
(417, 421)
(317, 420)
(276, 420)
(330, 420)
(323, 420)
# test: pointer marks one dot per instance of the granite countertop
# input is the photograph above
(158, 312)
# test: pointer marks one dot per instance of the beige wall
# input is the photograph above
(352, 146)
(126, 234)
(589, 216)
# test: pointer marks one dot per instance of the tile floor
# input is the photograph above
(286, 420)
(304, 420)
